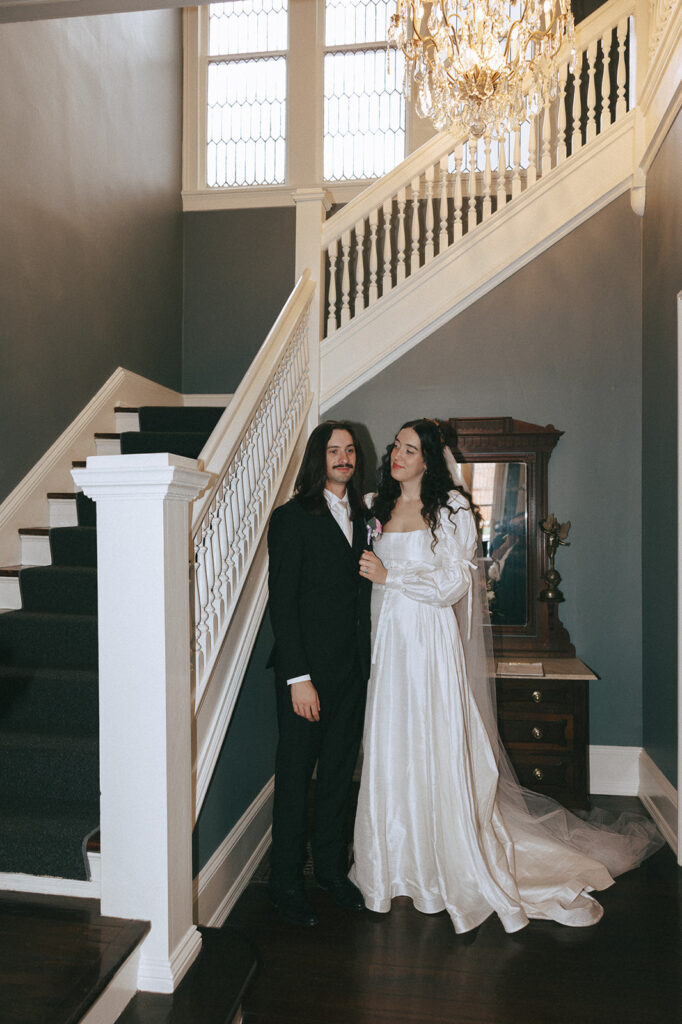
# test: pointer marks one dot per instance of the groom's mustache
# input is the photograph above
(343, 465)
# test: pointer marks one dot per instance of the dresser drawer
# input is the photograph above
(543, 731)
(538, 692)
(563, 778)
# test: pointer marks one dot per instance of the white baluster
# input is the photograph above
(621, 97)
(443, 205)
(345, 277)
(373, 256)
(400, 269)
(429, 218)
(415, 190)
(501, 175)
(387, 271)
(471, 209)
(532, 172)
(487, 179)
(591, 92)
(576, 106)
(516, 165)
(331, 313)
(546, 164)
(360, 266)
(457, 224)
(561, 116)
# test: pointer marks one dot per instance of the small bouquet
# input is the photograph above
(374, 530)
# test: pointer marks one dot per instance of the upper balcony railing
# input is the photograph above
(454, 182)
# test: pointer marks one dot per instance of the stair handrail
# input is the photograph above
(247, 456)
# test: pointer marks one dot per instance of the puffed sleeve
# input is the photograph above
(449, 580)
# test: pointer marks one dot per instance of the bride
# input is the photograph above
(441, 817)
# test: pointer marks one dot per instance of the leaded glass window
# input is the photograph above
(364, 106)
(247, 93)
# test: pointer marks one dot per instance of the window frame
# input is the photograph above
(304, 116)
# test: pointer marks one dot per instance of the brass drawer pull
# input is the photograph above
(538, 774)
(536, 696)
(537, 732)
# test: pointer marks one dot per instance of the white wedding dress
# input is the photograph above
(435, 822)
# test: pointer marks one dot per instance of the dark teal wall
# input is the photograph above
(247, 759)
(559, 342)
(239, 271)
(90, 218)
(661, 282)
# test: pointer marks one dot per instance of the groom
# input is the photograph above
(319, 608)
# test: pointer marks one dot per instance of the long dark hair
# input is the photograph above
(436, 482)
(312, 476)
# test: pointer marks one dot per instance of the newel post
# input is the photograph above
(145, 701)
(312, 205)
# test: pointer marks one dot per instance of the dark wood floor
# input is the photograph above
(410, 968)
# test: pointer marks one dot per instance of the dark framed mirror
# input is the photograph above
(504, 463)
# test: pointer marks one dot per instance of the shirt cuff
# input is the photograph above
(297, 679)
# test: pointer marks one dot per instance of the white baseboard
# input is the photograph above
(163, 974)
(659, 796)
(614, 771)
(223, 879)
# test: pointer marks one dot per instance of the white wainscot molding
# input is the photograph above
(223, 879)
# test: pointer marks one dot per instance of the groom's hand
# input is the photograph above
(305, 700)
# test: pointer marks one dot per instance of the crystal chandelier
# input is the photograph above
(483, 64)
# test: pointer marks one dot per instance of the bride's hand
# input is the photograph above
(372, 568)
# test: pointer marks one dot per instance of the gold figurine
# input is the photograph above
(556, 533)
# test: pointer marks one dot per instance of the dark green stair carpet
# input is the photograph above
(170, 418)
(49, 732)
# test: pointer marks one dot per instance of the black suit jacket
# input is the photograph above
(319, 605)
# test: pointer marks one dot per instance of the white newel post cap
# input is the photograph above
(145, 700)
(134, 477)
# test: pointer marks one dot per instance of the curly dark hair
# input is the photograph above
(312, 476)
(436, 482)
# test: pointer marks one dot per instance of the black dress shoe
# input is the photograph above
(343, 892)
(293, 906)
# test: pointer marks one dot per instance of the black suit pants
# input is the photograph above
(333, 743)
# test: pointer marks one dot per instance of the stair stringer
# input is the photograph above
(560, 201)
(26, 505)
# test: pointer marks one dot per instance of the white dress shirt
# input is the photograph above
(340, 509)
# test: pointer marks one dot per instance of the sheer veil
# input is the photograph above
(618, 843)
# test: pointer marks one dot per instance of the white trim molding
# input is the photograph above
(224, 877)
(659, 796)
(48, 885)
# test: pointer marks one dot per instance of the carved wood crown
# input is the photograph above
(492, 434)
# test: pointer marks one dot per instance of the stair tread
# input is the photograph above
(126, 408)
(34, 531)
(108, 434)
(60, 983)
(12, 570)
(62, 495)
